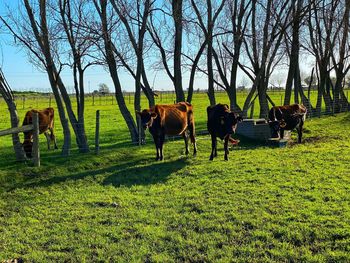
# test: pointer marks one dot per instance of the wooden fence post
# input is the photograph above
(35, 149)
(97, 133)
(50, 101)
(93, 100)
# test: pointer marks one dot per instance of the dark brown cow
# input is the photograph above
(174, 119)
(288, 117)
(46, 123)
(221, 123)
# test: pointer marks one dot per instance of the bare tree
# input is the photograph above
(33, 33)
(268, 22)
(106, 27)
(320, 43)
(134, 16)
(208, 29)
(340, 56)
(7, 95)
(160, 30)
(229, 48)
(299, 10)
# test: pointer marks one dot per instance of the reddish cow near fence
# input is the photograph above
(288, 117)
(221, 123)
(174, 119)
(46, 123)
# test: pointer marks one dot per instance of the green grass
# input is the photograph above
(263, 205)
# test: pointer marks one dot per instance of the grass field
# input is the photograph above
(263, 205)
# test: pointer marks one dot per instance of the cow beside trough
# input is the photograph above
(221, 123)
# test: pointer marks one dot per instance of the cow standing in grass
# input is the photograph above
(174, 119)
(288, 117)
(46, 124)
(221, 123)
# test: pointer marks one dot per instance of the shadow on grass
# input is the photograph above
(127, 174)
(144, 175)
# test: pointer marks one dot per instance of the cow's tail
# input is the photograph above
(52, 136)
(191, 126)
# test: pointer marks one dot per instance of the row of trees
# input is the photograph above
(217, 38)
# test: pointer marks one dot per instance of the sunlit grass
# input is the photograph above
(263, 205)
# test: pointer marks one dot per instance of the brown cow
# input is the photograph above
(221, 123)
(46, 123)
(288, 117)
(174, 119)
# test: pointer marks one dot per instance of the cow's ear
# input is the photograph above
(154, 115)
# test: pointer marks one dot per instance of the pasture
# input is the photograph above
(263, 205)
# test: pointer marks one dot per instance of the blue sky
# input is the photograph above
(22, 75)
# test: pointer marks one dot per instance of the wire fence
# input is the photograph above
(114, 132)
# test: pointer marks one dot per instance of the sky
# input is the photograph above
(23, 76)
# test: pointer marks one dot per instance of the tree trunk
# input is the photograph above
(112, 66)
(62, 114)
(177, 16)
(6, 93)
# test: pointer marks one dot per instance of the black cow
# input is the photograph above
(221, 123)
(288, 117)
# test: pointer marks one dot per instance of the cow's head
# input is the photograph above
(27, 147)
(147, 118)
(230, 120)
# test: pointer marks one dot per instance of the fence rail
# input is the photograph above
(26, 128)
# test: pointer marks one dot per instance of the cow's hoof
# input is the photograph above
(211, 158)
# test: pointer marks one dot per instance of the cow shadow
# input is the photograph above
(140, 172)
(157, 172)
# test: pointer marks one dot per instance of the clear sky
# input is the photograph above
(22, 75)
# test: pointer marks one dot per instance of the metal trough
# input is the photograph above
(257, 129)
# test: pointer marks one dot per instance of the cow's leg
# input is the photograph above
(53, 138)
(161, 143)
(48, 140)
(300, 131)
(281, 133)
(185, 136)
(227, 138)
(213, 147)
(216, 148)
(192, 136)
(156, 143)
